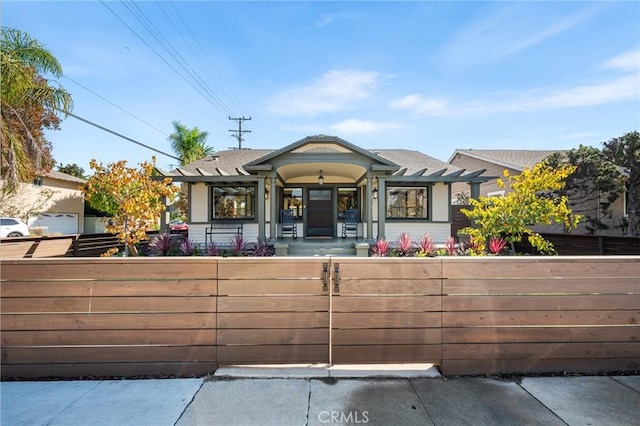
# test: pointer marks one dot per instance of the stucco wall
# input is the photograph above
(66, 198)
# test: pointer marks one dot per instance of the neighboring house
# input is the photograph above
(515, 161)
(316, 179)
(52, 204)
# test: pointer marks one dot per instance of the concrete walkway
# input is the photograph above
(320, 399)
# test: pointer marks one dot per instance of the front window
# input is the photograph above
(406, 203)
(237, 202)
(292, 200)
(347, 200)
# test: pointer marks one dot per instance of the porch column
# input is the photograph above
(273, 223)
(382, 203)
(475, 190)
(260, 208)
(368, 200)
(165, 216)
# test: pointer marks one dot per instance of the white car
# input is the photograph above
(12, 227)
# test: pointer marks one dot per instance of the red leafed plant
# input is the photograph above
(450, 247)
(496, 245)
(163, 245)
(405, 245)
(381, 249)
(426, 246)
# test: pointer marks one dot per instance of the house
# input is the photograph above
(50, 204)
(515, 161)
(316, 180)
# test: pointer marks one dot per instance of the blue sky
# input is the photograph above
(429, 76)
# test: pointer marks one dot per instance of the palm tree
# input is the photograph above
(189, 144)
(29, 103)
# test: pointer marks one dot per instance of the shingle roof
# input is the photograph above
(414, 161)
(53, 174)
(231, 162)
(512, 158)
(225, 163)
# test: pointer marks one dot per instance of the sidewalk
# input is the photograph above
(316, 397)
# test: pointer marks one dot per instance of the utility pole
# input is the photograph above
(238, 133)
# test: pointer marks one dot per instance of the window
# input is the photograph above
(292, 200)
(496, 193)
(236, 202)
(37, 181)
(406, 203)
(347, 200)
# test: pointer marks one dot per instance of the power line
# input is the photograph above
(120, 135)
(160, 56)
(120, 108)
(174, 53)
(233, 96)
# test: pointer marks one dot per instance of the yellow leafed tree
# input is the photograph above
(130, 196)
(529, 203)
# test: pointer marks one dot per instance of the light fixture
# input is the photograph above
(320, 179)
(374, 193)
(266, 194)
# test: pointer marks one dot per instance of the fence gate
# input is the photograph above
(328, 310)
(384, 312)
(272, 310)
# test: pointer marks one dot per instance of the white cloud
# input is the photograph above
(504, 33)
(333, 91)
(617, 90)
(353, 126)
(628, 61)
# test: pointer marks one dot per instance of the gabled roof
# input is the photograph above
(53, 174)
(516, 159)
(323, 139)
(400, 164)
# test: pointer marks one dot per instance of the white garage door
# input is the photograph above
(58, 223)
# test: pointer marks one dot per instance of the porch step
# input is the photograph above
(322, 248)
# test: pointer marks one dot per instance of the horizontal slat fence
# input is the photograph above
(272, 310)
(586, 245)
(72, 317)
(537, 315)
(386, 311)
(108, 317)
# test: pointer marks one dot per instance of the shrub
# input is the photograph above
(188, 248)
(405, 246)
(163, 245)
(213, 249)
(381, 249)
(496, 245)
(262, 248)
(450, 247)
(238, 246)
(426, 246)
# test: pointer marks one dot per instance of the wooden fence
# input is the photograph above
(184, 316)
(585, 245)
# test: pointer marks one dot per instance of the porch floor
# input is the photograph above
(321, 246)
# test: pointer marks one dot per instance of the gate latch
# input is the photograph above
(325, 277)
(336, 283)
